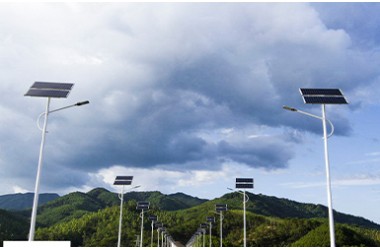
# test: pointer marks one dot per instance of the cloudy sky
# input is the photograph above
(188, 96)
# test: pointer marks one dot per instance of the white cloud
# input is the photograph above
(18, 189)
(166, 181)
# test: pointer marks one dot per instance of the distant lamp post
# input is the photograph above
(219, 208)
(210, 220)
(244, 183)
(153, 219)
(203, 227)
(159, 226)
(48, 90)
(163, 230)
(143, 206)
(122, 181)
(323, 97)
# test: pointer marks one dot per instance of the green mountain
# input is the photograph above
(91, 219)
(188, 200)
(23, 201)
(285, 208)
(12, 226)
(75, 205)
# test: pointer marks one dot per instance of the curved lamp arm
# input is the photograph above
(311, 115)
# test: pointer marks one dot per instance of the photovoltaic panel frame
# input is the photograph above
(50, 89)
(244, 183)
(329, 92)
(221, 207)
(203, 225)
(120, 183)
(244, 180)
(52, 85)
(142, 205)
(153, 217)
(323, 96)
(123, 180)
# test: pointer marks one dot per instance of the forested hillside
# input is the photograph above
(91, 219)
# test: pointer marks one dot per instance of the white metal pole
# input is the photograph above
(142, 227)
(158, 237)
(121, 215)
(221, 229)
(37, 185)
(151, 240)
(162, 239)
(328, 180)
(210, 233)
(204, 237)
(245, 239)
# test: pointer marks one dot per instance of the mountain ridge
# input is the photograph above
(21, 201)
(91, 219)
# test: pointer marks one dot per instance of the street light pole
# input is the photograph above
(244, 183)
(245, 224)
(39, 167)
(220, 208)
(327, 164)
(142, 227)
(122, 181)
(328, 180)
(323, 97)
(121, 197)
(48, 90)
(143, 206)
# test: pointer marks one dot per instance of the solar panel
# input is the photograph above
(153, 217)
(122, 182)
(335, 92)
(129, 178)
(158, 224)
(48, 93)
(249, 180)
(50, 89)
(323, 96)
(244, 185)
(52, 85)
(324, 100)
(221, 207)
(143, 205)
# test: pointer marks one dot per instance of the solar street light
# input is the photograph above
(203, 227)
(143, 206)
(210, 220)
(219, 208)
(152, 218)
(323, 97)
(162, 230)
(122, 181)
(244, 183)
(159, 225)
(48, 90)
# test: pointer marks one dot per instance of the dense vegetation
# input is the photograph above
(91, 219)
(12, 226)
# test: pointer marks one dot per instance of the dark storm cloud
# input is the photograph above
(164, 78)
